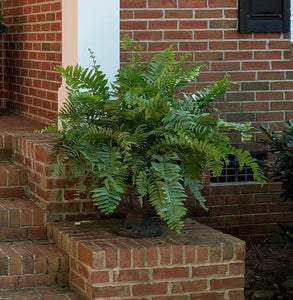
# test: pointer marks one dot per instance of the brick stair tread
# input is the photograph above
(12, 174)
(5, 147)
(13, 179)
(28, 264)
(21, 219)
(50, 293)
(5, 154)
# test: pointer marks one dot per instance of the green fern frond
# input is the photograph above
(141, 184)
(184, 75)
(159, 64)
(78, 78)
(198, 100)
(167, 194)
(195, 187)
(107, 197)
(245, 158)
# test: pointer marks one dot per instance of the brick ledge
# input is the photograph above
(202, 262)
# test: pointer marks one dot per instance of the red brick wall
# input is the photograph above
(200, 264)
(32, 48)
(247, 211)
(260, 65)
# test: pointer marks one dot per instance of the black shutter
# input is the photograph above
(264, 15)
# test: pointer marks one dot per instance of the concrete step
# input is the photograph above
(28, 264)
(51, 293)
(21, 219)
(13, 180)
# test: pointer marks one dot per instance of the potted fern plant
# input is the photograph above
(142, 133)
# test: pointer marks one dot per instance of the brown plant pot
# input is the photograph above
(137, 222)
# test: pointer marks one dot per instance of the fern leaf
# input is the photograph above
(195, 187)
(167, 194)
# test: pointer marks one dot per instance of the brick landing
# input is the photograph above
(202, 263)
(14, 124)
(54, 293)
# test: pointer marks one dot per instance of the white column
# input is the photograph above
(99, 30)
(69, 41)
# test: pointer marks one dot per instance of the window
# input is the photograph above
(231, 172)
(264, 15)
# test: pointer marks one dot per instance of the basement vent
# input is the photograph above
(231, 172)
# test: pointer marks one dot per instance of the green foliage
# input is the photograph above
(280, 162)
(140, 132)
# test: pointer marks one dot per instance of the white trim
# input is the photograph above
(69, 41)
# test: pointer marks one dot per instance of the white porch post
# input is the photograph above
(69, 41)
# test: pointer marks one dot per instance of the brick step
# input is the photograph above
(61, 293)
(5, 155)
(13, 180)
(21, 219)
(5, 147)
(29, 264)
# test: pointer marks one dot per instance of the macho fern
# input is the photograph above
(141, 132)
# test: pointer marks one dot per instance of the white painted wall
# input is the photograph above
(98, 29)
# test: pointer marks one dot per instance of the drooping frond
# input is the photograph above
(107, 197)
(245, 158)
(167, 194)
(195, 187)
(107, 165)
(141, 183)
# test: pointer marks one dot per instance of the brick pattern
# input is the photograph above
(32, 48)
(200, 264)
(34, 152)
(21, 219)
(259, 63)
(5, 147)
(31, 264)
(13, 180)
(248, 211)
(41, 294)
(27, 258)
